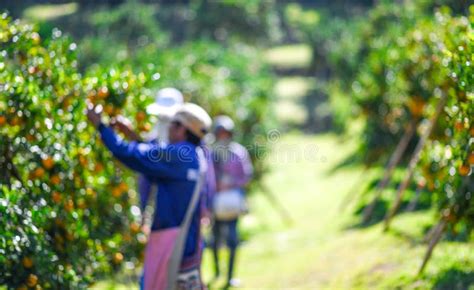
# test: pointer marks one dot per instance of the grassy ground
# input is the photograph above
(49, 11)
(289, 56)
(322, 249)
(290, 92)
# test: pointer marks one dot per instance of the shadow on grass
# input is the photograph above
(353, 159)
(455, 279)
(381, 208)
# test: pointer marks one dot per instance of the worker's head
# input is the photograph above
(223, 128)
(190, 123)
(167, 102)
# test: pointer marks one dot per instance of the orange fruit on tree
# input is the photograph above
(56, 197)
(32, 280)
(118, 258)
(459, 126)
(90, 192)
(16, 121)
(83, 160)
(30, 137)
(55, 179)
(416, 106)
(116, 191)
(470, 159)
(144, 128)
(27, 262)
(91, 96)
(135, 228)
(66, 103)
(98, 167)
(464, 170)
(103, 93)
(123, 186)
(140, 116)
(69, 205)
(109, 109)
(38, 173)
(48, 163)
(3, 120)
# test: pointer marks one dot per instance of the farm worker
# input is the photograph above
(177, 169)
(167, 102)
(233, 170)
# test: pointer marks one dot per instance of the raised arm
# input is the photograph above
(146, 158)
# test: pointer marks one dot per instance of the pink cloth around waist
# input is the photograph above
(157, 257)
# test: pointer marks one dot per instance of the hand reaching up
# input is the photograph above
(124, 126)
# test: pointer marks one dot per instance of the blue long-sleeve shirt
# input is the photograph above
(174, 168)
(208, 188)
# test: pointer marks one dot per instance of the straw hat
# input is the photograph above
(194, 118)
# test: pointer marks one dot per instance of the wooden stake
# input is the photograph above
(350, 196)
(390, 168)
(414, 202)
(437, 234)
(277, 205)
(413, 162)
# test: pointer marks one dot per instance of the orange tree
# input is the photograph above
(407, 75)
(227, 76)
(66, 212)
(449, 157)
(382, 87)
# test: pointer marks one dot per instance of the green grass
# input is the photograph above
(322, 249)
(293, 88)
(47, 12)
(289, 112)
(296, 56)
(290, 91)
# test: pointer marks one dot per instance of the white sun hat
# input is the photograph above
(223, 122)
(194, 118)
(167, 103)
